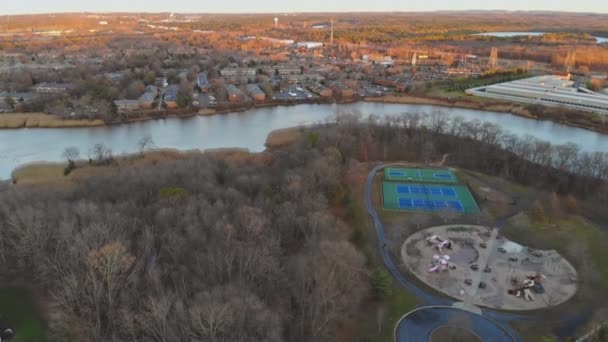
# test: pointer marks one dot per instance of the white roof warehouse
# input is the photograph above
(546, 90)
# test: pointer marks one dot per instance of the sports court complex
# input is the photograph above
(407, 190)
(420, 175)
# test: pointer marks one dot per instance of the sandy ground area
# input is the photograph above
(506, 261)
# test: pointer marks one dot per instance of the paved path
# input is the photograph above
(429, 299)
(483, 263)
(569, 323)
(417, 325)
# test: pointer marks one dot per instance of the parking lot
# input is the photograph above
(293, 93)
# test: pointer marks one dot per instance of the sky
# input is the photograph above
(280, 6)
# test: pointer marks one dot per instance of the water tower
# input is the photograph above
(276, 22)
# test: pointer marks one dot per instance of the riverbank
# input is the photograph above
(494, 106)
(283, 137)
(53, 173)
(41, 120)
(587, 121)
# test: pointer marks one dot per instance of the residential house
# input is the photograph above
(283, 69)
(302, 79)
(341, 90)
(150, 95)
(236, 74)
(234, 94)
(126, 106)
(183, 75)
(320, 90)
(256, 93)
(115, 77)
(161, 82)
(170, 96)
(52, 88)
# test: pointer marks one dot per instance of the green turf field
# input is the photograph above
(18, 311)
(428, 198)
(420, 175)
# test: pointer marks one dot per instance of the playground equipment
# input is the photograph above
(438, 243)
(6, 335)
(439, 263)
(532, 283)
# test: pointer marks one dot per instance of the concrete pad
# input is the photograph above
(505, 259)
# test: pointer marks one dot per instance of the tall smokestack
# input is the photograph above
(331, 37)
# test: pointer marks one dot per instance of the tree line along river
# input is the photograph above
(249, 130)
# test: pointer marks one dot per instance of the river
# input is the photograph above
(599, 40)
(247, 130)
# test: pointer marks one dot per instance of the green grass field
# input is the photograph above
(434, 193)
(420, 175)
(558, 234)
(19, 312)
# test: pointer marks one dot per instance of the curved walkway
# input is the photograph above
(428, 298)
(418, 324)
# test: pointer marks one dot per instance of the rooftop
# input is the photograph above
(550, 90)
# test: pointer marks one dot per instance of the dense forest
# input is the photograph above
(202, 249)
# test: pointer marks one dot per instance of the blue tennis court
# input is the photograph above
(430, 190)
(429, 205)
(428, 197)
(420, 175)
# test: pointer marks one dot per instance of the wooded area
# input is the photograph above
(204, 249)
(215, 248)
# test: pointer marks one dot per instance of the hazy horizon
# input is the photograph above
(311, 6)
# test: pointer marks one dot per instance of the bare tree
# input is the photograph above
(211, 318)
(144, 144)
(71, 154)
(100, 153)
(112, 264)
(154, 320)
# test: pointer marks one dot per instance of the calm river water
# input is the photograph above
(599, 40)
(246, 130)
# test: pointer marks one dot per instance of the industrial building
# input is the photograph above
(547, 90)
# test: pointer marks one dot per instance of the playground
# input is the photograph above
(477, 264)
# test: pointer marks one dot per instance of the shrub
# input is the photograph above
(380, 281)
(166, 193)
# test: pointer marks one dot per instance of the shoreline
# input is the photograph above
(50, 172)
(41, 120)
